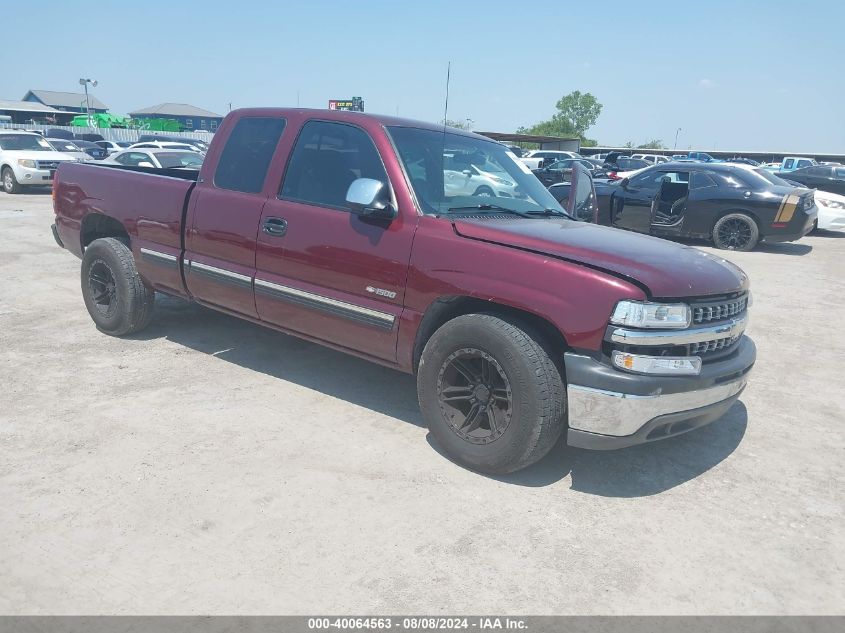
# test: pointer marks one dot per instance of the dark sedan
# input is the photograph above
(561, 170)
(825, 177)
(91, 148)
(733, 206)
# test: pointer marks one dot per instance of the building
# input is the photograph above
(25, 112)
(189, 117)
(72, 102)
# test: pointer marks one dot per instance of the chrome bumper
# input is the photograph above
(608, 408)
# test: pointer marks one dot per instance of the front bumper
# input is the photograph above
(28, 176)
(611, 409)
(831, 219)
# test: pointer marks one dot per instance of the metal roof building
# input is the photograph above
(27, 111)
(65, 101)
(190, 117)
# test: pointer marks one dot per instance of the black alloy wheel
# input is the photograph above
(475, 395)
(103, 287)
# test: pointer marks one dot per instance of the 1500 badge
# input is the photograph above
(381, 292)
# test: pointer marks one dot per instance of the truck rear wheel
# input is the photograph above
(490, 393)
(116, 298)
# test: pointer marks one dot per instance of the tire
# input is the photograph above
(523, 388)
(736, 232)
(10, 183)
(484, 190)
(117, 300)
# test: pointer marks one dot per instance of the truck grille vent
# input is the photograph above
(47, 164)
(697, 349)
(486, 216)
(718, 311)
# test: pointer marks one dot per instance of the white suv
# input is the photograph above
(654, 159)
(27, 160)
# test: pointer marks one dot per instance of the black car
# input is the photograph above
(91, 148)
(825, 177)
(624, 163)
(733, 206)
(560, 171)
(740, 160)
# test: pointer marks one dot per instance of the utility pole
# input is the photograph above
(678, 131)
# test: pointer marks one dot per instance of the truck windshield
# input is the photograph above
(27, 142)
(451, 171)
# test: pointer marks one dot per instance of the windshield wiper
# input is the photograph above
(523, 214)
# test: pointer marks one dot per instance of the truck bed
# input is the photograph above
(150, 204)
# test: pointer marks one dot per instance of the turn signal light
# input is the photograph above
(658, 365)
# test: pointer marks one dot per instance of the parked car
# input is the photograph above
(702, 157)
(790, 163)
(561, 170)
(516, 149)
(187, 147)
(92, 137)
(199, 144)
(112, 147)
(624, 167)
(535, 159)
(91, 148)
(824, 177)
(651, 159)
(55, 132)
(469, 175)
(739, 160)
(157, 158)
(69, 148)
(519, 323)
(27, 160)
(732, 205)
(831, 207)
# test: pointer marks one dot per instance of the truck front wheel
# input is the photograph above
(490, 393)
(116, 298)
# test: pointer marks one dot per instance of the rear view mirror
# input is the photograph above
(371, 198)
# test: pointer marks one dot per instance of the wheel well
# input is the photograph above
(97, 225)
(447, 308)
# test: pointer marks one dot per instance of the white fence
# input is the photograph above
(109, 134)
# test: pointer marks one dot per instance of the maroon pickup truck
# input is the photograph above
(433, 251)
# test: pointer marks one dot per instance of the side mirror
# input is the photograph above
(624, 183)
(370, 198)
(467, 172)
(146, 163)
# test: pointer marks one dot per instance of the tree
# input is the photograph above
(653, 144)
(461, 125)
(579, 110)
(576, 113)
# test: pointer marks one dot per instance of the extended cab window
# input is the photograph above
(326, 159)
(246, 157)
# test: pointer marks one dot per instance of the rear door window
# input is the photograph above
(788, 163)
(247, 154)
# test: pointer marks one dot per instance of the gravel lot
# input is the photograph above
(211, 466)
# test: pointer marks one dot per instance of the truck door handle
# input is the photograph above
(276, 227)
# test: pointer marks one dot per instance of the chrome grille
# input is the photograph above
(47, 164)
(719, 310)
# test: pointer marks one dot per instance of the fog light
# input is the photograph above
(658, 365)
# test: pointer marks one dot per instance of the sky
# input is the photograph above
(731, 75)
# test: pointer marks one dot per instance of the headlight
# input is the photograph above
(651, 315)
(501, 181)
(27, 162)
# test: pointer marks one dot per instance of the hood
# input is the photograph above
(666, 269)
(28, 154)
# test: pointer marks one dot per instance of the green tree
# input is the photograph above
(461, 125)
(581, 111)
(653, 144)
(576, 113)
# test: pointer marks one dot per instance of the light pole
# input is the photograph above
(678, 131)
(85, 82)
(470, 124)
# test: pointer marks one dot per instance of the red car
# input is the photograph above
(520, 323)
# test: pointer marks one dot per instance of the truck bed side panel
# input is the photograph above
(149, 206)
